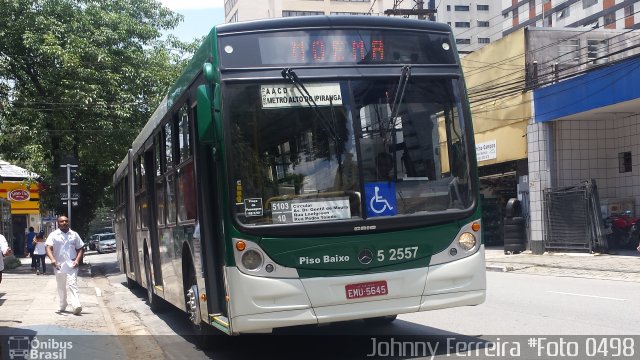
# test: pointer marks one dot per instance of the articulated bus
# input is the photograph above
(307, 171)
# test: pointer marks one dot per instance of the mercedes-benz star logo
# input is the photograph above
(365, 256)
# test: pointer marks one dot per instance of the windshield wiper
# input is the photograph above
(405, 74)
(289, 74)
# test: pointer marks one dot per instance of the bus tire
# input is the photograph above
(130, 283)
(380, 320)
(204, 336)
(153, 300)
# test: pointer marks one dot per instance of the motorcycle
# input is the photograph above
(623, 230)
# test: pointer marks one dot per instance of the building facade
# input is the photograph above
(588, 14)
(562, 102)
(474, 24)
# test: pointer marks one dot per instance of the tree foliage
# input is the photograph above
(80, 78)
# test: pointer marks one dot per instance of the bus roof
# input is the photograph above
(329, 21)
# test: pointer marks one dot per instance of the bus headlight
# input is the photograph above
(467, 241)
(251, 259)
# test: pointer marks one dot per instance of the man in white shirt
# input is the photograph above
(64, 249)
(5, 250)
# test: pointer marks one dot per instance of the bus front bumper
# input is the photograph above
(259, 304)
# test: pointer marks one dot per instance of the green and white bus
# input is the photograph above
(306, 171)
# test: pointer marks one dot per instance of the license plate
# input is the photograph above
(374, 288)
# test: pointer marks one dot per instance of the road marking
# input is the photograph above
(584, 295)
(98, 291)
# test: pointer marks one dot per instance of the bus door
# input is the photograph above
(154, 241)
(209, 215)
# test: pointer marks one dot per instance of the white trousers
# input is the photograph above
(71, 281)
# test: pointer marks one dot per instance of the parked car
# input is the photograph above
(106, 242)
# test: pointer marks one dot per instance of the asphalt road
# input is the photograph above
(516, 305)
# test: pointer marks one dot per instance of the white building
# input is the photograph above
(606, 14)
(474, 23)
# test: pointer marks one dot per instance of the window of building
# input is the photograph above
(463, 41)
(348, 13)
(546, 21)
(588, 3)
(461, 7)
(629, 20)
(462, 24)
(624, 162)
(597, 50)
(287, 13)
(483, 23)
(628, 10)
(448, 7)
(561, 14)
(483, 40)
(482, 7)
(610, 18)
(569, 51)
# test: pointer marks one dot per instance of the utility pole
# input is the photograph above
(419, 10)
(69, 187)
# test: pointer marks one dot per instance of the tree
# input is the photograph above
(80, 78)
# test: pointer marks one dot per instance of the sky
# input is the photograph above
(199, 16)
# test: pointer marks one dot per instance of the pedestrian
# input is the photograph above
(64, 249)
(29, 245)
(39, 253)
(5, 250)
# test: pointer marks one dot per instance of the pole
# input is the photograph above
(420, 6)
(69, 193)
(68, 183)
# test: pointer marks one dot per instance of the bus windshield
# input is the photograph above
(341, 150)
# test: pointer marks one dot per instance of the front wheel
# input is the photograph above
(204, 335)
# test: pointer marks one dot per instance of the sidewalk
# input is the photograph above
(29, 302)
(623, 266)
(28, 309)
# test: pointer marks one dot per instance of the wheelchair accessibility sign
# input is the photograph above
(381, 198)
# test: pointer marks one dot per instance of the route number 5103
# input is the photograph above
(398, 253)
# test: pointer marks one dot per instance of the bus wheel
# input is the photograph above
(203, 334)
(152, 299)
(130, 283)
(380, 320)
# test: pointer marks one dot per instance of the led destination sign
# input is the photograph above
(325, 47)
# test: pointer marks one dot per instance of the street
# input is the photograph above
(516, 305)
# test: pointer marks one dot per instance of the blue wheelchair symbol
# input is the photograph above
(381, 198)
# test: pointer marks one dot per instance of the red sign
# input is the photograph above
(18, 195)
(374, 288)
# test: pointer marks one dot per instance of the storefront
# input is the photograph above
(20, 198)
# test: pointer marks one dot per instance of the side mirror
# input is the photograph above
(208, 114)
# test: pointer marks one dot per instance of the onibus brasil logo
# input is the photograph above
(21, 347)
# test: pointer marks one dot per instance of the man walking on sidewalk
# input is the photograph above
(64, 249)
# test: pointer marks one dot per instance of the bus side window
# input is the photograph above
(186, 193)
